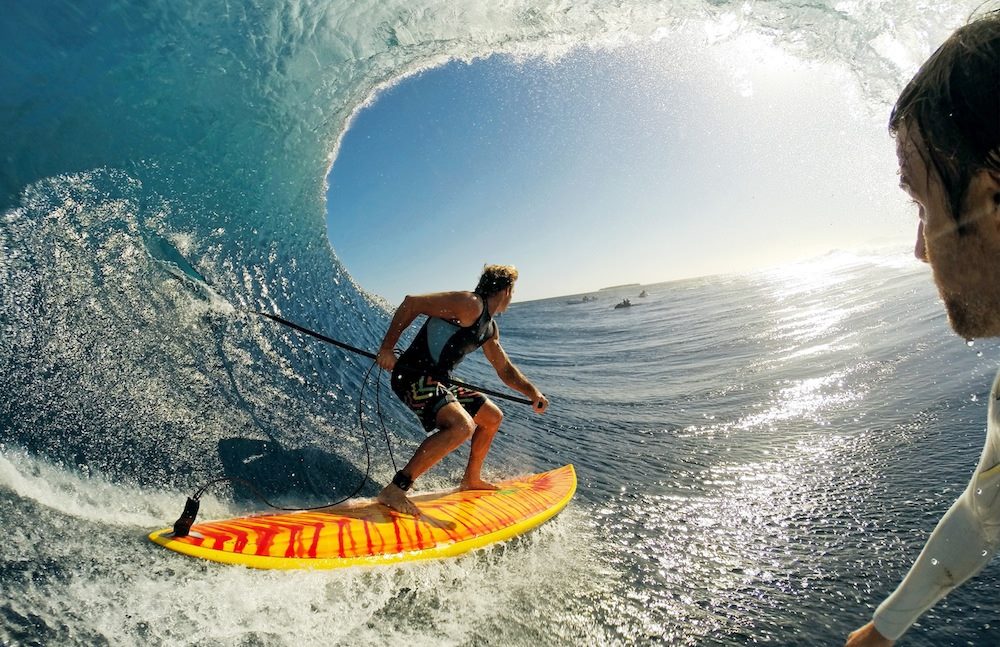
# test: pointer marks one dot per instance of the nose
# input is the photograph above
(920, 250)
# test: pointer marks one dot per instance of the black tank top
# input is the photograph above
(441, 344)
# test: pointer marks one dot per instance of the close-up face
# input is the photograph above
(966, 265)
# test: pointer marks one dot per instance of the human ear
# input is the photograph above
(982, 200)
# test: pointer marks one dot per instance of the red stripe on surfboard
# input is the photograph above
(220, 535)
(294, 534)
(368, 537)
(264, 538)
(430, 509)
(499, 518)
(504, 516)
(475, 525)
(265, 529)
(516, 502)
(542, 500)
(314, 546)
(341, 524)
(419, 535)
(399, 534)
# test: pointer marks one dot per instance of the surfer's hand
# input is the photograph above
(867, 636)
(539, 403)
(386, 359)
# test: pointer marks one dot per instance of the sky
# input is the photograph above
(637, 165)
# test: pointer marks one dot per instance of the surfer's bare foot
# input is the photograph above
(476, 484)
(392, 497)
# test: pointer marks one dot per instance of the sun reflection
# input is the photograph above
(720, 561)
(813, 277)
(806, 320)
(805, 399)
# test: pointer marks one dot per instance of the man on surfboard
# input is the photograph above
(947, 127)
(457, 324)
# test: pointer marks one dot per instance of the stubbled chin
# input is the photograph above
(973, 320)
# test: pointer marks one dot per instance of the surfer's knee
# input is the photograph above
(456, 425)
(489, 416)
(461, 431)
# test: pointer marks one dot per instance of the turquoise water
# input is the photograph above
(760, 457)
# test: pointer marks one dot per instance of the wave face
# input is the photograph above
(139, 140)
(162, 173)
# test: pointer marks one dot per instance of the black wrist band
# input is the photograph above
(402, 481)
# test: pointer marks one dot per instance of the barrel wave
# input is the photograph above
(162, 177)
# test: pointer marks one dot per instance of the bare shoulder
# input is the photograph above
(463, 307)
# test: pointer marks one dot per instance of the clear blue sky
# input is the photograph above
(639, 165)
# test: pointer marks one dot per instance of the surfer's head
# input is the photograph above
(954, 103)
(497, 280)
(947, 126)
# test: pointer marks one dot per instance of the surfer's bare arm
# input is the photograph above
(461, 307)
(511, 376)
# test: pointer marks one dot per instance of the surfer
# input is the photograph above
(457, 324)
(947, 128)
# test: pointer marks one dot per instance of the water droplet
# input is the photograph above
(979, 491)
(985, 553)
(970, 342)
(934, 562)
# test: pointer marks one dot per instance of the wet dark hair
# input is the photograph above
(496, 278)
(954, 103)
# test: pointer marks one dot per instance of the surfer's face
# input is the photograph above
(966, 266)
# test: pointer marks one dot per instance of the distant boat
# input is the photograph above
(643, 294)
(625, 303)
(586, 299)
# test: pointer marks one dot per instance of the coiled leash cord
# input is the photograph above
(183, 524)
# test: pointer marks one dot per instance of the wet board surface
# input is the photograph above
(368, 533)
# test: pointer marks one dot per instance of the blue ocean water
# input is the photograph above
(760, 456)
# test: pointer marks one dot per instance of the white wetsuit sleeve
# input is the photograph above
(963, 542)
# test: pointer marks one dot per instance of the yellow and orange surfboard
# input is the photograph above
(368, 534)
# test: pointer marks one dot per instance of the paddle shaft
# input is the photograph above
(369, 355)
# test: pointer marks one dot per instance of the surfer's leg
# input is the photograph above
(455, 427)
(487, 420)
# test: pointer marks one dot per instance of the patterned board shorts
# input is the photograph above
(425, 396)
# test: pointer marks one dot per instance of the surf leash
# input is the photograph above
(182, 527)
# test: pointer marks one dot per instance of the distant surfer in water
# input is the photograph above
(457, 324)
(947, 127)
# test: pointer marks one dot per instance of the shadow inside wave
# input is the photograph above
(292, 478)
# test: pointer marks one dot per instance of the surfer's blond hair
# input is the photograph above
(496, 278)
